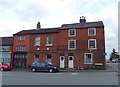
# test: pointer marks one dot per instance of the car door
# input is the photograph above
(39, 66)
(44, 67)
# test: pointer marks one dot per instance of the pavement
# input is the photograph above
(110, 67)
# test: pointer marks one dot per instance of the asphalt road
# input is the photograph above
(60, 78)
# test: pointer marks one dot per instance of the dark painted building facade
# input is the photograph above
(6, 48)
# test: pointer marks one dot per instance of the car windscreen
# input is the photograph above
(4, 64)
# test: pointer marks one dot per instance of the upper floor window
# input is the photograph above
(21, 38)
(4, 48)
(72, 32)
(49, 41)
(92, 44)
(20, 48)
(91, 31)
(71, 44)
(37, 41)
(88, 58)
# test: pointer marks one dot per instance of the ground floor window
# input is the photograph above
(5, 57)
(49, 58)
(88, 58)
(36, 58)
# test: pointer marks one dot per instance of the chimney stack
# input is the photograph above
(38, 25)
(82, 19)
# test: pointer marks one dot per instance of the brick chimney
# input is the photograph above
(38, 25)
(82, 19)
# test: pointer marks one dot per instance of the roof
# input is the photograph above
(6, 41)
(64, 26)
(39, 31)
(83, 25)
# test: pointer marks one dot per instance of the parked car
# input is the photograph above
(114, 61)
(44, 67)
(5, 66)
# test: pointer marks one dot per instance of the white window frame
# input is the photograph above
(47, 44)
(69, 45)
(37, 42)
(85, 58)
(89, 32)
(89, 43)
(69, 32)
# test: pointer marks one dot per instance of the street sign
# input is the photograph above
(104, 54)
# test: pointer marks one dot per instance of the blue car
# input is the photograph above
(44, 67)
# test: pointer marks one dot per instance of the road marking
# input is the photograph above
(74, 73)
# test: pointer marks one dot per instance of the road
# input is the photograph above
(113, 66)
(60, 78)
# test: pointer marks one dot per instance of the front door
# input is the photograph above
(70, 61)
(62, 59)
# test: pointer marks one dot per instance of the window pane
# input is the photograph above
(92, 31)
(92, 43)
(21, 38)
(4, 48)
(20, 48)
(49, 59)
(88, 58)
(49, 40)
(72, 32)
(72, 44)
(37, 40)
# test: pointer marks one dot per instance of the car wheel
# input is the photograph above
(1, 69)
(33, 69)
(50, 70)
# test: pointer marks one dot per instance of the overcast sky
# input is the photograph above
(17, 15)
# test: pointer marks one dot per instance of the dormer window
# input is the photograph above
(91, 31)
(72, 32)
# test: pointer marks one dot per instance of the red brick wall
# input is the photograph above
(60, 45)
(25, 42)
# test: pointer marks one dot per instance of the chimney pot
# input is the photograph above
(82, 19)
(38, 25)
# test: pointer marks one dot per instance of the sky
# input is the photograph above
(17, 15)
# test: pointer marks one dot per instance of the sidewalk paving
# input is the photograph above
(69, 70)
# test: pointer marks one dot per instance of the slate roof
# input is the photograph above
(39, 31)
(64, 26)
(6, 41)
(83, 25)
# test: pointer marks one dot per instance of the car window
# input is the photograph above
(38, 64)
(4, 64)
(43, 64)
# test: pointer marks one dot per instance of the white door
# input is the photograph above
(70, 61)
(62, 61)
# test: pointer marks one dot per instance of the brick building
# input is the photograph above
(77, 45)
(6, 48)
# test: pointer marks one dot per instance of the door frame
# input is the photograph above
(72, 60)
(64, 61)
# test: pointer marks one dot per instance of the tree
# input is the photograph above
(114, 55)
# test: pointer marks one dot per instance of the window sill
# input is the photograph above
(36, 45)
(48, 45)
(88, 63)
(71, 48)
(92, 48)
(92, 35)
